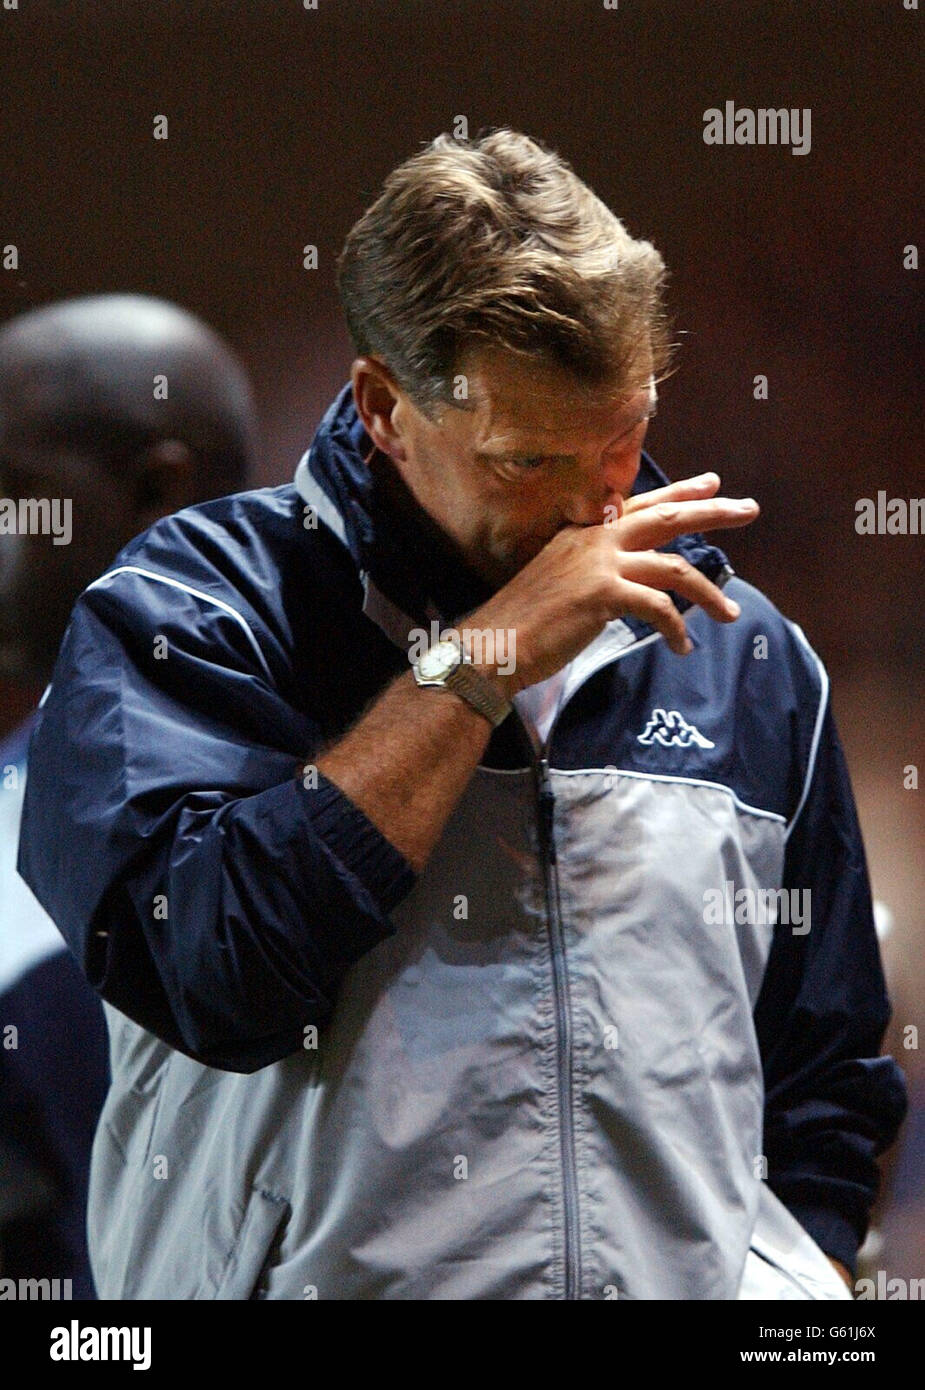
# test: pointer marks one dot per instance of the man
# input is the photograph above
(114, 410)
(412, 986)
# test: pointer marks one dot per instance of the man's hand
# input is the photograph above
(587, 575)
(837, 1265)
(408, 759)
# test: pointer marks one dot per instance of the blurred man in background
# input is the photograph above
(115, 410)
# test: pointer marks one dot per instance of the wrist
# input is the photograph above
(498, 673)
(448, 665)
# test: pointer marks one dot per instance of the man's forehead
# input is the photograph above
(503, 415)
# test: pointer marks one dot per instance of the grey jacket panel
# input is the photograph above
(415, 1152)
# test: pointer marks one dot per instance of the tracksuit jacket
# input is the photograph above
(563, 1061)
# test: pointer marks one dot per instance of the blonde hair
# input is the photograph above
(496, 241)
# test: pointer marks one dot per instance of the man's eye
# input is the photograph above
(530, 461)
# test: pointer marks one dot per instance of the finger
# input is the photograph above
(655, 608)
(651, 527)
(686, 488)
(676, 573)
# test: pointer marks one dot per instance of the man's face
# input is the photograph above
(535, 454)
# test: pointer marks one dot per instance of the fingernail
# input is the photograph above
(746, 504)
(732, 607)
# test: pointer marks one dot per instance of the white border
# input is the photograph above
(197, 593)
(667, 777)
(817, 731)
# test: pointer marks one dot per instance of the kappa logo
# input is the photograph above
(671, 730)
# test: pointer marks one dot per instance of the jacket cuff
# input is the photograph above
(833, 1233)
(358, 844)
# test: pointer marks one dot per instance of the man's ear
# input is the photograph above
(377, 394)
(163, 481)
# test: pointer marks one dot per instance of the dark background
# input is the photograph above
(282, 124)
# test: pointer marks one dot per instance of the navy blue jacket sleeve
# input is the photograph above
(207, 892)
(832, 1103)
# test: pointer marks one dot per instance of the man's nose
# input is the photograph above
(599, 497)
(586, 509)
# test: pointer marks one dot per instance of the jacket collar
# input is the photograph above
(408, 574)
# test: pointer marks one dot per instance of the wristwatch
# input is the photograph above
(447, 667)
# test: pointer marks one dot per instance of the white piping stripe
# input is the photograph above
(311, 491)
(817, 731)
(664, 777)
(380, 609)
(387, 616)
(606, 656)
(614, 640)
(197, 593)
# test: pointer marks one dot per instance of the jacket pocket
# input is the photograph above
(782, 1250)
(769, 1275)
(266, 1214)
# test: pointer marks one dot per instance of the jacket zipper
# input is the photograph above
(563, 1030)
(547, 844)
(545, 818)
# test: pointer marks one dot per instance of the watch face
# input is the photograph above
(439, 661)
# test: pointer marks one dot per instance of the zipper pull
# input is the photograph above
(547, 809)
